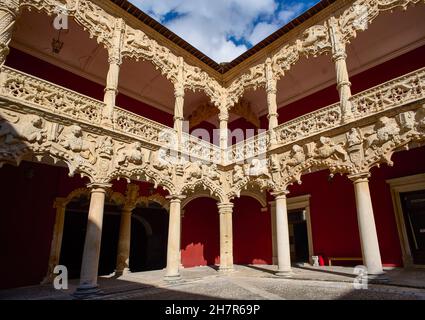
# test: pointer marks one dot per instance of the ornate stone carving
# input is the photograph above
(131, 154)
(8, 12)
(25, 128)
(72, 139)
(327, 149)
(316, 40)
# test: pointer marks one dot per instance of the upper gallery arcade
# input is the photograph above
(340, 90)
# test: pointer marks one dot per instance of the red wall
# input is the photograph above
(200, 241)
(39, 68)
(333, 209)
(252, 240)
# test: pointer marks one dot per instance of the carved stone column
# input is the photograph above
(282, 236)
(367, 228)
(226, 236)
(224, 133)
(9, 10)
(123, 254)
(179, 102)
(173, 249)
(89, 268)
(273, 224)
(339, 57)
(115, 61)
(271, 89)
(55, 248)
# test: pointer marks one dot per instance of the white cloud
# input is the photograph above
(222, 29)
(261, 31)
(289, 13)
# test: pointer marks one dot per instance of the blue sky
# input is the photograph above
(223, 29)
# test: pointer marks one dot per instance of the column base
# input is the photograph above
(119, 273)
(378, 278)
(225, 269)
(284, 273)
(173, 278)
(86, 291)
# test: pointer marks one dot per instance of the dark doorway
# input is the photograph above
(413, 204)
(298, 236)
(149, 238)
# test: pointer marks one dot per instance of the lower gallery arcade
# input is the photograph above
(45, 213)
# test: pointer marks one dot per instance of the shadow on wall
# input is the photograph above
(200, 241)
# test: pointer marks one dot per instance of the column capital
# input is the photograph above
(360, 177)
(99, 186)
(59, 203)
(225, 208)
(281, 194)
(175, 198)
(127, 211)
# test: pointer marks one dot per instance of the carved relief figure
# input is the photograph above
(386, 129)
(131, 154)
(28, 128)
(354, 137)
(72, 139)
(193, 171)
(105, 146)
(258, 168)
(315, 39)
(238, 174)
(159, 161)
(328, 149)
(138, 40)
(296, 157)
(211, 171)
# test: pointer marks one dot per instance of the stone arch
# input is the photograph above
(156, 198)
(257, 195)
(197, 195)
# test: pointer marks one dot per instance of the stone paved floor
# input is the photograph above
(246, 282)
